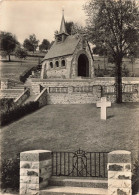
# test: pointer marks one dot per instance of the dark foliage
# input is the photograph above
(21, 53)
(124, 71)
(6, 104)
(69, 26)
(31, 43)
(135, 177)
(18, 112)
(8, 43)
(45, 45)
(10, 173)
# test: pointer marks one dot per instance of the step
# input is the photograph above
(57, 190)
(30, 99)
(79, 182)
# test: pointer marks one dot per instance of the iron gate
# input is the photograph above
(79, 164)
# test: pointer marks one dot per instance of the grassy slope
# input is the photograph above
(68, 127)
(13, 69)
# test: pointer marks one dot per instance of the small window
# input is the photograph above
(63, 62)
(51, 64)
(57, 64)
(59, 38)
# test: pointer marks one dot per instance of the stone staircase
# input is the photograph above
(78, 186)
(18, 86)
(12, 92)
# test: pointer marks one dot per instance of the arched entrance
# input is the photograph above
(83, 66)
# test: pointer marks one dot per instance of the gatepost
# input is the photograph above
(119, 173)
(35, 170)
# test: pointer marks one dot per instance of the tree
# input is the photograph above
(113, 23)
(21, 53)
(69, 26)
(8, 43)
(31, 43)
(45, 45)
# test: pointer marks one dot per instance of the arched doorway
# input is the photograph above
(83, 66)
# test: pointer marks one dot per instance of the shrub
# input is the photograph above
(135, 177)
(10, 173)
(125, 72)
(6, 104)
(18, 112)
(99, 73)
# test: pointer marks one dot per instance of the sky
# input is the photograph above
(41, 17)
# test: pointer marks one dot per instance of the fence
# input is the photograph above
(79, 164)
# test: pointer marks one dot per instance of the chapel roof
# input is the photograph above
(63, 48)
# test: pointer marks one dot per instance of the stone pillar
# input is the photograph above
(35, 170)
(4, 84)
(119, 173)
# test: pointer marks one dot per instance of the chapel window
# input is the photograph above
(63, 63)
(57, 64)
(51, 64)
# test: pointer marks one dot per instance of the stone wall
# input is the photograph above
(81, 91)
(11, 93)
(19, 100)
(119, 173)
(7, 83)
(69, 91)
(35, 171)
(56, 72)
(42, 98)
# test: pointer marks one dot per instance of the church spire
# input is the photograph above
(63, 25)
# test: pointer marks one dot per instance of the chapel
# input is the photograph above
(69, 57)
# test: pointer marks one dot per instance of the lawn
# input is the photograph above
(70, 127)
(13, 69)
(99, 60)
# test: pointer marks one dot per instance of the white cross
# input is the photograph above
(103, 104)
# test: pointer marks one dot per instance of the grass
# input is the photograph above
(70, 127)
(13, 69)
(99, 60)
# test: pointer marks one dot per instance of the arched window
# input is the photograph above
(63, 63)
(51, 64)
(57, 64)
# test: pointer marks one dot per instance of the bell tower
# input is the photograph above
(62, 34)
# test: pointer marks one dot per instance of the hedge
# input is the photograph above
(10, 173)
(18, 112)
(6, 104)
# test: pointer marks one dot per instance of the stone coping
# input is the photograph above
(105, 79)
(120, 152)
(43, 91)
(11, 90)
(36, 151)
(35, 155)
(22, 94)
